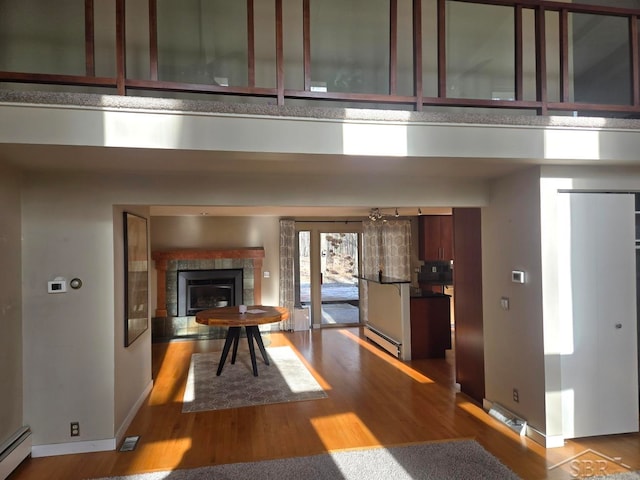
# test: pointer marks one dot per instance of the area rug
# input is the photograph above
(462, 460)
(286, 379)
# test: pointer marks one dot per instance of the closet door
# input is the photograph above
(600, 359)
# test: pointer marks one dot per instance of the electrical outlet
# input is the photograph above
(75, 429)
(516, 395)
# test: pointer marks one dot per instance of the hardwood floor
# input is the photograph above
(373, 399)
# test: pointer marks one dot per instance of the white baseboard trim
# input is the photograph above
(89, 446)
(547, 441)
(132, 413)
(73, 447)
(17, 449)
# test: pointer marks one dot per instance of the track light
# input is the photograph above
(375, 214)
(419, 211)
(397, 214)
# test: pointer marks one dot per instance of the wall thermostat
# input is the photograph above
(59, 285)
(517, 276)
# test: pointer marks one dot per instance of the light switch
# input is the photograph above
(517, 276)
(57, 286)
(504, 303)
(266, 275)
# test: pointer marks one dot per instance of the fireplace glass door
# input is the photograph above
(204, 289)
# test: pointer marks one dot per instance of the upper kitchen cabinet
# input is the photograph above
(436, 237)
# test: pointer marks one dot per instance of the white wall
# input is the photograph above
(514, 354)
(554, 179)
(520, 229)
(132, 369)
(10, 303)
(70, 346)
(75, 366)
(69, 337)
(224, 232)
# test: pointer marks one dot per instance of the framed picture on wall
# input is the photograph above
(136, 277)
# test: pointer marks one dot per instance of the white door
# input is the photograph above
(600, 359)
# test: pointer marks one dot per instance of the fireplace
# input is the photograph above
(204, 289)
(167, 325)
(169, 262)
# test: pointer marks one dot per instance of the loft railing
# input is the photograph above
(551, 57)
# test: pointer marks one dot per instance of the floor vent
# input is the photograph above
(510, 419)
(129, 444)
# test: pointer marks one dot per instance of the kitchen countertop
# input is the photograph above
(429, 295)
(383, 280)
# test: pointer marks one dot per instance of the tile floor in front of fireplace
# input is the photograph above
(164, 329)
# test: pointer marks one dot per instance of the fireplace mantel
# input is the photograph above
(163, 257)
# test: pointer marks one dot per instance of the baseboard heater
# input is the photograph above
(387, 343)
(510, 419)
(14, 451)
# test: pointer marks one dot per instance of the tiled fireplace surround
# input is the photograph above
(166, 325)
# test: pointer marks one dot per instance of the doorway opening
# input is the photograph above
(327, 276)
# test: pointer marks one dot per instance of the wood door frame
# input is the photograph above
(467, 287)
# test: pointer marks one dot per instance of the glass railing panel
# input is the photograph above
(350, 46)
(480, 51)
(42, 37)
(633, 4)
(187, 97)
(405, 84)
(265, 42)
(51, 88)
(529, 89)
(203, 42)
(478, 113)
(137, 39)
(552, 55)
(293, 48)
(104, 14)
(600, 57)
(325, 104)
(429, 48)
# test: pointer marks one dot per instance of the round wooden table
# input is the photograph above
(232, 318)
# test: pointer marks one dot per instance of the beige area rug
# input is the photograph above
(285, 380)
(460, 460)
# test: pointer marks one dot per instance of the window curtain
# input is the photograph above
(287, 269)
(387, 247)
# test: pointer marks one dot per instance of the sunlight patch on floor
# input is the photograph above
(414, 374)
(352, 428)
(179, 447)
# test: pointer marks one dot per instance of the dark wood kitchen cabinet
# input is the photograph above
(430, 326)
(435, 237)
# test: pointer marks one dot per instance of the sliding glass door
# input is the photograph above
(327, 268)
(339, 295)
